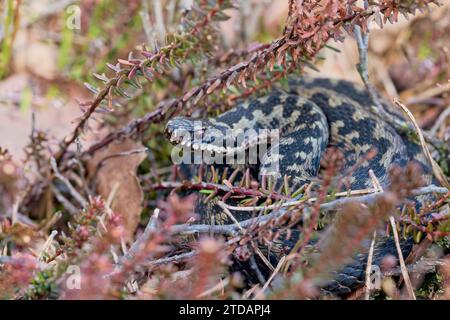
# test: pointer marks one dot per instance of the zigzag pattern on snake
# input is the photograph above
(311, 116)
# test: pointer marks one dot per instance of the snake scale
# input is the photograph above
(312, 115)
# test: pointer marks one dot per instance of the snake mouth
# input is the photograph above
(172, 136)
(178, 137)
(189, 135)
(186, 142)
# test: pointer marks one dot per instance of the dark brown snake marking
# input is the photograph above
(312, 115)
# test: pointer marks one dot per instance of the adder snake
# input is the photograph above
(311, 116)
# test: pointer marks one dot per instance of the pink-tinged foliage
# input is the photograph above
(173, 254)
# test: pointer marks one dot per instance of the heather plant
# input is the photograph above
(115, 219)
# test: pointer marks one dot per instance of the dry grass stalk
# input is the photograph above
(260, 293)
(378, 188)
(437, 171)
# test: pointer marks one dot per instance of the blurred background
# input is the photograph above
(54, 54)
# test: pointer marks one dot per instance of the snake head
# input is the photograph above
(196, 134)
(178, 129)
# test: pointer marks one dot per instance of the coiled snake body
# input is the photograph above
(312, 115)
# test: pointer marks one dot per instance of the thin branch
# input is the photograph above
(216, 187)
(232, 229)
(138, 245)
(440, 121)
(428, 94)
(255, 268)
(146, 24)
(23, 219)
(159, 19)
(47, 244)
(177, 258)
(220, 286)
(75, 194)
(362, 41)
(230, 215)
(241, 229)
(181, 257)
(423, 266)
(64, 201)
(143, 239)
(366, 199)
(401, 259)
(369, 266)
(437, 171)
(379, 188)
(101, 95)
(272, 276)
